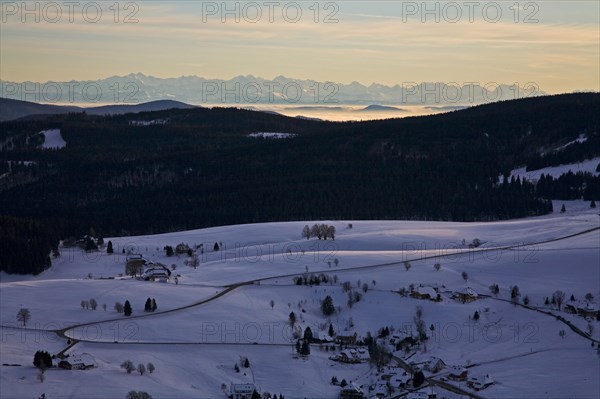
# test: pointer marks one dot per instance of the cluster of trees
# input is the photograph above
(138, 395)
(150, 305)
(25, 244)
(321, 231)
(90, 304)
(311, 279)
(303, 347)
(569, 186)
(125, 309)
(129, 367)
(495, 289)
(42, 360)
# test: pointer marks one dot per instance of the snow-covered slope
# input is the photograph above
(588, 165)
(206, 322)
(53, 139)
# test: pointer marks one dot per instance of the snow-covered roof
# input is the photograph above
(481, 379)
(425, 291)
(466, 291)
(84, 358)
(457, 370)
(242, 388)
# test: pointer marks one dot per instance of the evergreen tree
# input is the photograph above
(331, 332)
(153, 305)
(216, 246)
(327, 306)
(148, 305)
(476, 316)
(563, 209)
(308, 335)
(292, 318)
(593, 204)
(127, 308)
(109, 248)
(90, 245)
(42, 360)
(418, 379)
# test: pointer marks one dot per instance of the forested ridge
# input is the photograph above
(200, 169)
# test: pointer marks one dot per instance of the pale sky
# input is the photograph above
(554, 43)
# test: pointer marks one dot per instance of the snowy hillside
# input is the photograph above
(236, 304)
(589, 165)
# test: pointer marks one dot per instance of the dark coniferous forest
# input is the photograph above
(201, 169)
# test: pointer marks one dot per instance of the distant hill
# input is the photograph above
(16, 109)
(179, 169)
(381, 108)
(151, 106)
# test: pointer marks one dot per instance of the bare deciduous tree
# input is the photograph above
(559, 298)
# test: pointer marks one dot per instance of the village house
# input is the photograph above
(77, 362)
(158, 272)
(346, 339)
(402, 380)
(241, 391)
(434, 365)
(480, 382)
(351, 392)
(588, 311)
(584, 310)
(427, 392)
(424, 292)
(352, 356)
(134, 264)
(389, 371)
(465, 295)
(458, 373)
(378, 391)
(182, 248)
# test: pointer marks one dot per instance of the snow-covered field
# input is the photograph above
(589, 165)
(53, 140)
(237, 302)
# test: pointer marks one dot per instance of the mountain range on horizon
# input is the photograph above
(138, 88)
